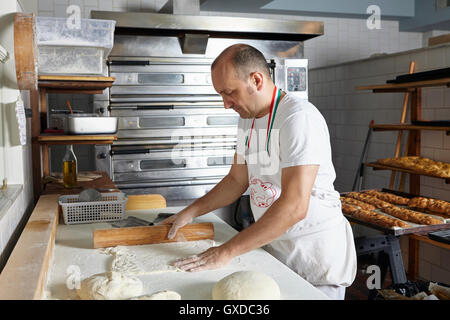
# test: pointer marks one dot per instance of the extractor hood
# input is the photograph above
(161, 24)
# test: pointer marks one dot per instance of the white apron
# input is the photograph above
(320, 248)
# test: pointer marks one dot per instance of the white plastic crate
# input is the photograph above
(65, 50)
(110, 208)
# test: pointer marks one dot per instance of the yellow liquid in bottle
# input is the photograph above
(70, 174)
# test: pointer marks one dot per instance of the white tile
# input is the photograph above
(432, 139)
(105, 5)
(79, 3)
(442, 155)
(92, 3)
(424, 269)
(441, 193)
(439, 274)
(60, 11)
(45, 5)
(120, 4)
(436, 59)
(421, 61)
(446, 143)
(430, 253)
(43, 13)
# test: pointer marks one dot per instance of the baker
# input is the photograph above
(284, 158)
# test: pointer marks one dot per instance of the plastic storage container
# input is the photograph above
(91, 124)
(110, 208)
(66, 50)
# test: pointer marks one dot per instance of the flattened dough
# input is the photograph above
(161, 295)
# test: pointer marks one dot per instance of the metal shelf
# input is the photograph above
(377, 166)
(407, 86)
(399, 126)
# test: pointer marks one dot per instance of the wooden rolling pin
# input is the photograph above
(151, 234)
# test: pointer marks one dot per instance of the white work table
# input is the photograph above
(74, 251)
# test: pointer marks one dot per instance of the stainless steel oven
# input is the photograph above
(175, 137)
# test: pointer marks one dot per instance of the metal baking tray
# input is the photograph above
(91, 124)
(397, 231)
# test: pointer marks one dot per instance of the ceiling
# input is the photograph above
(413, 15)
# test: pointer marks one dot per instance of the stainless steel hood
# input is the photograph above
(160, 24)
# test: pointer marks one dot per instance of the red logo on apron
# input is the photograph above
(261, 193)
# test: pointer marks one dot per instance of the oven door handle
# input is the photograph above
(129, 63)
(131, 151)
(161, 107)
(141, 107)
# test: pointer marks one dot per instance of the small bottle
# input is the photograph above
(70, 168)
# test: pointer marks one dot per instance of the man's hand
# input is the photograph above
(177, 220)
(213, 258)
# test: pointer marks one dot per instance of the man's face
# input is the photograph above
(236, 93)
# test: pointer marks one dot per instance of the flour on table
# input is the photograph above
(154, 258)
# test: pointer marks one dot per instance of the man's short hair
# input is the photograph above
(245, 60)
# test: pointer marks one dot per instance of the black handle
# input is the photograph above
(162, 107)
(131, 151)
(129, 63)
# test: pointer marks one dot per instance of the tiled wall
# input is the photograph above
(17, 201)
(347, 39)
(348, 113)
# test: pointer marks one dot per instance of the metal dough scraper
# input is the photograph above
(132, 221)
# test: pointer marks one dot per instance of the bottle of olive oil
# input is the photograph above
(70, 168)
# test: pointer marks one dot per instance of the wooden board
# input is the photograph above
(75, 78)
(393, 87)
(104, 183)
(400, 126)
(103, 238)
(433, 41)
(76, 139)
(25, 51)
(378, 166)
(145, 201)
(25, 274)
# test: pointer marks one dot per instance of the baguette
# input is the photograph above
(388, 197)
(369, 199)
(358, 203)
(412, 216)
(439, 206)
(373, 217)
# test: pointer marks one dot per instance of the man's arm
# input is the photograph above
(228, 190)
(287, 210)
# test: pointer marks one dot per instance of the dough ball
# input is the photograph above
(160, 295)
(246, 285)
(109, 286)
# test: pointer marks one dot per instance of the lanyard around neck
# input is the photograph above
(273, 109)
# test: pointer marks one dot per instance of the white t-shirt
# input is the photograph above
(299, 136)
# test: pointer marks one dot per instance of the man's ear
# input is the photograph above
(257, 79)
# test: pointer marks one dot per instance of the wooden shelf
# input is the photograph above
(103, 182)
(76, 139)
(407, 86)
(377, 166)
(399, 126)
(74, 84)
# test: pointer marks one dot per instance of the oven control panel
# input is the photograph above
(296, 77)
